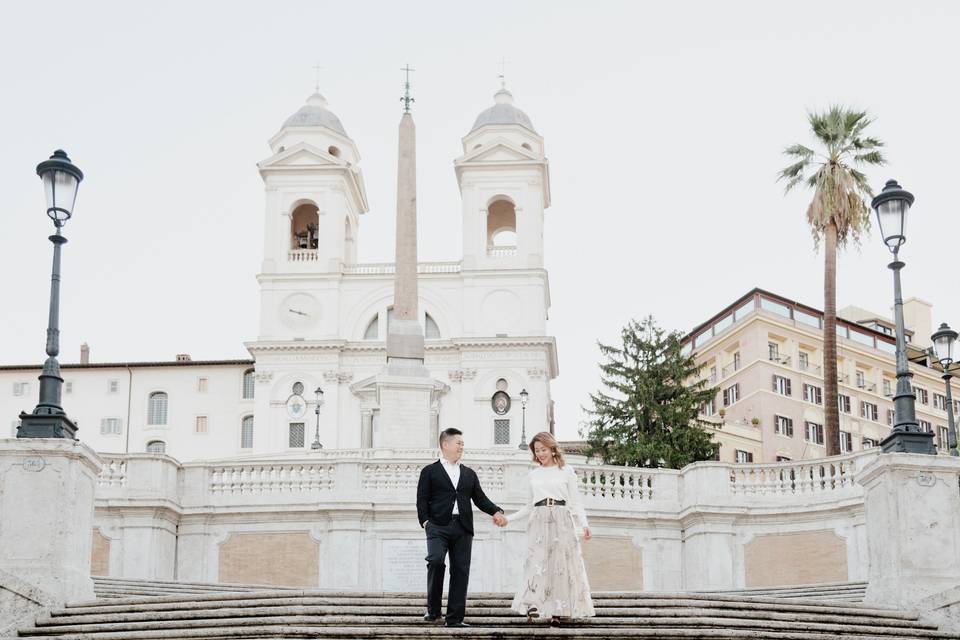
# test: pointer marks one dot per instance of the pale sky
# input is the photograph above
(664, 125)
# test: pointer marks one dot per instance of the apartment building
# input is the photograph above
(764, 353)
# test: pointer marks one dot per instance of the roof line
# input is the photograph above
(122, 365)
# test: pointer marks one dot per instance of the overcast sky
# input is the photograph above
(664, 125)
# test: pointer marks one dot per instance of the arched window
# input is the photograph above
(304, 224)
(501, 224)
(430, 329)
(156, 446)
(248, 384)
(157, 408)
(246, 433)
(373, 329)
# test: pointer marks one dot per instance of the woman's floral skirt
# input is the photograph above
(554, 578)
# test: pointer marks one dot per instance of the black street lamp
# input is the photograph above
(316, 446)
(892, 205)
(524, 396)
(61, 178)
(944, 341)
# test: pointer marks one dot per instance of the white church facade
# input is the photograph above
(324, 316)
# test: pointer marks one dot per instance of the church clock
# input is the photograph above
(299, 311)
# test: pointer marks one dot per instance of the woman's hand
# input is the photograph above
(586, 533)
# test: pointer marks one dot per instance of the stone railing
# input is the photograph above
(302, 255)
(803, 477)
(385, 269)
(390, 476)
(499, 252)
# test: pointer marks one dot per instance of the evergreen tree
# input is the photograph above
(647, 414)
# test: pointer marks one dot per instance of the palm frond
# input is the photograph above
(799, 151)
(871, 157)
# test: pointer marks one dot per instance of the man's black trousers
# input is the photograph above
(456, 541)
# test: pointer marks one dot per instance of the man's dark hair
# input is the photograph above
(449, 433)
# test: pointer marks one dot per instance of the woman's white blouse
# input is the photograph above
(553, 482)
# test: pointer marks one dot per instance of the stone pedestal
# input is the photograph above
(912, 507)
(46, 514)
(405, 410)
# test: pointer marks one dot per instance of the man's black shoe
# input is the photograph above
(457, 624)
(430, 618)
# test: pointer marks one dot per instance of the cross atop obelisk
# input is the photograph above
(406, 99)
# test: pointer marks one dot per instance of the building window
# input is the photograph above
(861, 379)
(68, 387)
(295, 438)
(742, 457)
(869, 411)
(501, 431)
(113, 386)
(713, 375)
(843, 403)
(783, 425)
(21, 388)
(922, 396)
(156, 446)
(202, 384)
(248, 384)
(246, 433)
(887, 387)
(110, 426)
(846, 442)
(201, 426)
(803, 359)
(891, 416)
(943, 438)
(708, 408)
(813, 393)
(731, 394)
(783, 459)
(814, 433)
(926, 427)
(157, 408)
(781, 385)
(773, 352)
(736, 360)
(940, 401)
(869, 443)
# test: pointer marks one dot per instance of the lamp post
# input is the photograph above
(892, 205)
(524, 396)
(316, 446)
(944, 341)
(61, 178)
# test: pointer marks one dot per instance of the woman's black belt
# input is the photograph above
(549, 502)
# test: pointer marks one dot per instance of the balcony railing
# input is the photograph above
(386, 268)
(729, 370)
(784, 360)
(813, 369)
(302, 255)
(867, 386)
(497, 252)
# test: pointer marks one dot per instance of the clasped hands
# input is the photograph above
(499, 519)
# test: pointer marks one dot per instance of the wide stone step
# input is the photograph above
(604, 615)
(499, 633)
(695, 622)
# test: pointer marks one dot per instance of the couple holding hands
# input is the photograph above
(554, 578)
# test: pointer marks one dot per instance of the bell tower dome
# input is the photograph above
(314, 198)
(504, 182)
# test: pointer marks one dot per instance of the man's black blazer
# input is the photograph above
(436, 493)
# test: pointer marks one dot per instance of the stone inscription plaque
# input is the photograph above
(404, 565)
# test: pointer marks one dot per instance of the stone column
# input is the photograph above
(912, 506)
(366, 429)
(46, 514)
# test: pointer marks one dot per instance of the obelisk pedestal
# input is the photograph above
(404, 387)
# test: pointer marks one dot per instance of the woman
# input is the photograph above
(554, 578)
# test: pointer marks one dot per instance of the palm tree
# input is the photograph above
(838, 214)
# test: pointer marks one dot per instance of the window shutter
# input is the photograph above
(787, 386)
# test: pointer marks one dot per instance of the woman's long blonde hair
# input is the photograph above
(546, 439)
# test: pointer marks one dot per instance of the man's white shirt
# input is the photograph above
(453, 470)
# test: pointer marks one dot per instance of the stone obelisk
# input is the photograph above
(404, 387)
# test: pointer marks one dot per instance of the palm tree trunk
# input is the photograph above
(831, 426)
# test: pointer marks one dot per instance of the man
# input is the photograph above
(444, 492)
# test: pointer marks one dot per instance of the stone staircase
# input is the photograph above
(195, 611)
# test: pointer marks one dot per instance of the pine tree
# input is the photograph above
(647, 414)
